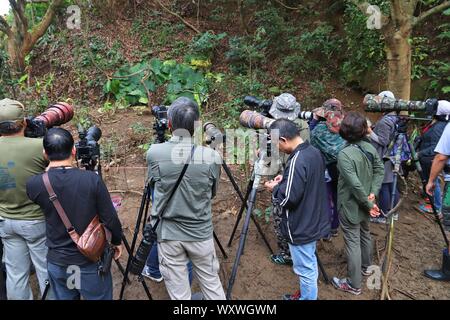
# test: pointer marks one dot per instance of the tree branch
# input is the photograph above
(18, 8)
(40, 29)
(5, 27)
(361, 5)
(288, 7)
(178, 16)
(420, 19)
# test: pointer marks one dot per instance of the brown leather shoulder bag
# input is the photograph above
(93, 241)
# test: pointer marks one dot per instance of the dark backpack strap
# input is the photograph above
(368, 155)
(174, 188)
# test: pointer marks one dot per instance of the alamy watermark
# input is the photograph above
(73, 22)
(374, 20)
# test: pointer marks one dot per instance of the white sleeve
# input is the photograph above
(443, 146)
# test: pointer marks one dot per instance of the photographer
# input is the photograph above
(185, 231)
(360, 177)
(381, 137)
(427, 143)
(301, 192)
(441, 163)
(82, 195)
(22, 225)
(325, 137)
(285, 106)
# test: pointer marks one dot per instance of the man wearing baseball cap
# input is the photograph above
(22, 225)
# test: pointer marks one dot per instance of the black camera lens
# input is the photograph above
(94, 134)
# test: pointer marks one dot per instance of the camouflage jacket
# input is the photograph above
(327, 142)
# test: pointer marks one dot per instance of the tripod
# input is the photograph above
(143, 211)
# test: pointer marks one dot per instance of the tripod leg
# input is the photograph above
(258, 226)
(220, 246)
(145, 202)
(233, 182)
(243, 237)
(47, 287)
(241, 211)
(322, 269)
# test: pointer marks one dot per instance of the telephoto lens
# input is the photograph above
(254, 120)
(254, 102)
(94, 133)
(375, 103)
(306, 115)
(56, 115)
(139, 260)
(214, 136)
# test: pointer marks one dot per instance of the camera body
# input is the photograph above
(306, 115)
(35, 128)
(162, 122)
(88, 149)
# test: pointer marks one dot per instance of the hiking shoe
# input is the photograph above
(280, 259)
(365, 272)
(425, 208)
(343, 285)
(295, 296)
(380, 220)
(146, 273)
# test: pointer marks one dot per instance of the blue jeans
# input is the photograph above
(437, 195)
(153, 264)
(384, 199)
(305, 266)
(67, 285)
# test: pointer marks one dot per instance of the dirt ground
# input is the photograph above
(417, 240)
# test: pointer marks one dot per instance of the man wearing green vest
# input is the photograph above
(22, 225)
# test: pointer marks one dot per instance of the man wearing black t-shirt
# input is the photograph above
(82, 195)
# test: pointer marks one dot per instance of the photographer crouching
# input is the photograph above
(74, 201)
(302, 194)
(184, 178)
(22, 225)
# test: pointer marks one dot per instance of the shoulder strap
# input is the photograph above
(174, 188)
(367, 154)
(54, 199)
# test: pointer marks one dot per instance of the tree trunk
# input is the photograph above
(398, 50)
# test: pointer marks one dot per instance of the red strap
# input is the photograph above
(54, 199)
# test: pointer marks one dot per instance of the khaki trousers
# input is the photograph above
(173, 259)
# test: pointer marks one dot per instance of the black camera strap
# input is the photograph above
(174, 189)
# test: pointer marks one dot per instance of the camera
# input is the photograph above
(88, 149)
(375, 103)
(263, 105)
(56, 115)
(161, 124)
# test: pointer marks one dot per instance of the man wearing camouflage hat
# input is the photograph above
(285, 106)
(22, 225)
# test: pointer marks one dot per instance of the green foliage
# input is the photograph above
(132, 83)
(311, 49)
(203, 46)
(365, 48)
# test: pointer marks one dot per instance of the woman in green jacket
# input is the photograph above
(361, 174)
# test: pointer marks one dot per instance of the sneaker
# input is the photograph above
(334, 232)
(146, 273)
(343, 285)
(381, 220)
(280, 259)
(295, 296)
(425, 208)
(366, 272)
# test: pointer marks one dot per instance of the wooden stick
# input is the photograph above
(178, 16)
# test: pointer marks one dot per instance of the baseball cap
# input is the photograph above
(443, 108)
(11, 110)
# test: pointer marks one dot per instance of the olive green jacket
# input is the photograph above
(359, 176)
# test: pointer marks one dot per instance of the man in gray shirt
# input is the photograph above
(186, 230)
